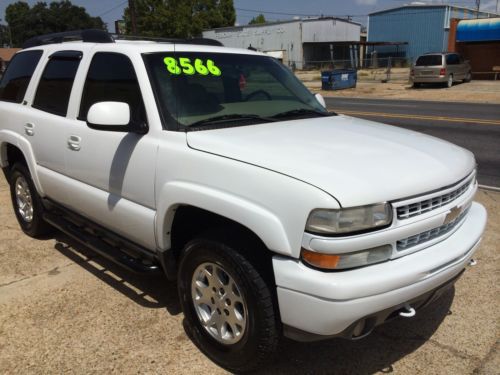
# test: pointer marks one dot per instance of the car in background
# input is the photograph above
(444, 67)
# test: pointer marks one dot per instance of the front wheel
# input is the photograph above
(468, 77)
(228, 307)
(26, 202)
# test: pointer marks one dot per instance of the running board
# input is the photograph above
(137, 264)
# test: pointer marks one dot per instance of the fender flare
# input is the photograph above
(9, 137)
(256, 218)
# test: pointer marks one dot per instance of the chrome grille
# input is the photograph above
(419, 208)
(417, 239)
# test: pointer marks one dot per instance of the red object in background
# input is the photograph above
(242, 82)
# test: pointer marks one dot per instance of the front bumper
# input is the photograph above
(328, 303)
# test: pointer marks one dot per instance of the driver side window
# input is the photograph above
(111, 78)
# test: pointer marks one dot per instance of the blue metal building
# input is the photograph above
(424, 26)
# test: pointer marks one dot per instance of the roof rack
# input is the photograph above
(101, 36)
(200, 41)
(90, 35)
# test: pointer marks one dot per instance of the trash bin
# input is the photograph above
(338, 79)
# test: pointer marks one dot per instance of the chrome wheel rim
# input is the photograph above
(23, 199)
(450, 81)
(219, 303)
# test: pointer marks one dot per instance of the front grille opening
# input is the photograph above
(417, 239)
(419, 208)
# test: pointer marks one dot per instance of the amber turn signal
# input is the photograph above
(326, 261)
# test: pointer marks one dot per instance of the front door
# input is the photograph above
(113, 171)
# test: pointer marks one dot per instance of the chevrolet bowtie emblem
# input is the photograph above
(453, 214)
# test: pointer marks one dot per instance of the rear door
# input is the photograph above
(453, 66)
(45, 120)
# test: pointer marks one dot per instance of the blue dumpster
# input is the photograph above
(338, 79)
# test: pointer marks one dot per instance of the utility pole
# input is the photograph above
(133, 20)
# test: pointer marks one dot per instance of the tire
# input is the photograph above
(26, 202)
(249, 307)
(416, 85)
(468, 77)
(449, 82)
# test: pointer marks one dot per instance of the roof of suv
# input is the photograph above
(85, 40)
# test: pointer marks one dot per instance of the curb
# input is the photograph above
(490, 188)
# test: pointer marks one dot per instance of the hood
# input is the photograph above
(356, 161)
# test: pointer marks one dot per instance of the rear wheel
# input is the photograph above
(26, 202)
(228, 307)
(449, 82)
(468, 77)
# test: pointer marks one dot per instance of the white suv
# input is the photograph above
(220, 168)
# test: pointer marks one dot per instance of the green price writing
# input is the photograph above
(184, 65)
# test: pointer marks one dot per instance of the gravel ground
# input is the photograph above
(65, 310)
(472, 92)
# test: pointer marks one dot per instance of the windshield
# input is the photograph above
(429, 60)
(196, 89)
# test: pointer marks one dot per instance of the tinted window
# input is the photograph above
(18, 75)
(197, 89)
(111, 78)
(452, 59)
(55, 86)
(429, 60)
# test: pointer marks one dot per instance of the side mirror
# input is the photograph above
(112, 116)
(320, 99)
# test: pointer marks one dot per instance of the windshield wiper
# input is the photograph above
(224, 118)
(302, 111)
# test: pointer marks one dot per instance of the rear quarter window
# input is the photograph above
(56, 83)
(429, 60)
(17, 77)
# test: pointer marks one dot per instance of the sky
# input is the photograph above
(273, 10)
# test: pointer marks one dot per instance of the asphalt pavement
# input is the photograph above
(473, 126)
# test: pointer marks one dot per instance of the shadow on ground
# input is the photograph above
(377, 352)
(145, 290)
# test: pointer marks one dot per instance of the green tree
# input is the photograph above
(179, 18)
(25, 22)
(259, 19)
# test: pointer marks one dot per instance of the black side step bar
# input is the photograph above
(113, 253)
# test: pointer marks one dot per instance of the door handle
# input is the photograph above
(74, 143)
(29, 129)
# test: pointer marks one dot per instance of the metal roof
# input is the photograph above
(420, 6)
(256, 25)
(480, 30)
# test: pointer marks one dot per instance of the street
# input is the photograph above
(475, 127)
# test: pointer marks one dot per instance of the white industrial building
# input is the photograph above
(297, 43)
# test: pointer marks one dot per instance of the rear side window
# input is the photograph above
(56, 83)
(112, 78)
(452, 59)
(429, 60)
(18, 75)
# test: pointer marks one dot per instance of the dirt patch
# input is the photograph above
(472, 92)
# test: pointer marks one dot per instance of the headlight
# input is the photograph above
(348, 260)
(347, 220)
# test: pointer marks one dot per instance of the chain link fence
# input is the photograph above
(371, 69)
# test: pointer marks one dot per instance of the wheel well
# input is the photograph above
(14, 155)
(191, 222)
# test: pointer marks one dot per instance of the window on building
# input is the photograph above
(54, 88)
(18, 75)
(112, 78)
